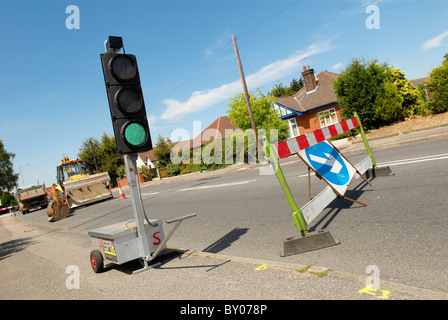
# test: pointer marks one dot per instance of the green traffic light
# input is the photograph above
(135, 134)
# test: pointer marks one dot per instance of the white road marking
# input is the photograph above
(148, 194)
(414, 160)
(218, 185)
(403, 161)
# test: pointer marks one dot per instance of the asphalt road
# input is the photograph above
(402, 230)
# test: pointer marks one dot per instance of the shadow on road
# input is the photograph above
(9, 247)
(225, 241)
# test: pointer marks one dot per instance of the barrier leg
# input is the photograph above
(375, 171)
(297, 215)
(364, 138)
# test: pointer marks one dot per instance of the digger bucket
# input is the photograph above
(88, 189)
(57, 211)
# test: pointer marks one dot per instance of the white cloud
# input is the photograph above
(337, 66)
(200, 100)
(435, 42)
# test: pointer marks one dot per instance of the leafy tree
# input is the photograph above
(265, 116)
(8, 199)
(162, 151)
(8, 179)
(280, 90)
(107, 157)
(389, 104)
(295, 86)
(413, 98)
(438, 85)
(357, 89)
(89, 147)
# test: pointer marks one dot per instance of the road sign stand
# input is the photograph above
(321, 178)
(333, 158)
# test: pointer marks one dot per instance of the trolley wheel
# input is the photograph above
(96, 261)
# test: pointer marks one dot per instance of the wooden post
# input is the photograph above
(246, 94)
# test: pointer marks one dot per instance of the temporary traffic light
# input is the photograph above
(127, 107)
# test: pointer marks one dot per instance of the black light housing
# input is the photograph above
(125, 96)
(114, 43)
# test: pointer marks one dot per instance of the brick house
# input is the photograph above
(218, 129)
(312, 107)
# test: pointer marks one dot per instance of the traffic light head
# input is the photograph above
(127, 106)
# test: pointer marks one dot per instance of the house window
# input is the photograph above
(293, 129)
(327, 117)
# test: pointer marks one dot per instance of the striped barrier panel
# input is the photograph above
(293, 145)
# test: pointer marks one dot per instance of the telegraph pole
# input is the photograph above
(246, 94)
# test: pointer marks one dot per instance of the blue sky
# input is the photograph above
(53, 94)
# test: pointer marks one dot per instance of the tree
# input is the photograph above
(412, 97)
(295, 86)
(389, 104)
(107, 157)
(357, 89)
(265, 116)
(280, 90)
(162, 151)
(89, 147)
(8, 179)
(438, 85)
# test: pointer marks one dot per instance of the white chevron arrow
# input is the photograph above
(331, 161)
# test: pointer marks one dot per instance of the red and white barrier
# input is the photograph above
(293, 145)
(4, 209)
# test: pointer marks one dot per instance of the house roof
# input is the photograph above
(217, 129)
(322, 96)
(419, 81)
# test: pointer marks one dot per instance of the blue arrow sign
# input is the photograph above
(327, 162)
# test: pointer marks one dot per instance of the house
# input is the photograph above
(314, 106)
(420, 83)
(146, 158)
(221, 128)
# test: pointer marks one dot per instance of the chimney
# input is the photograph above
(309, 79)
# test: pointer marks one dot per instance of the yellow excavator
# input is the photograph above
(76, 186)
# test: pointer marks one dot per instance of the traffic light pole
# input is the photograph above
(130, 161)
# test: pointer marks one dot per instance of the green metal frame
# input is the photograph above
(297, 214)
(364, 138)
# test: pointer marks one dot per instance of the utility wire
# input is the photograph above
(269, 18)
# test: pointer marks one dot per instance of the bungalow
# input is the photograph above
(420, 83)
(218, 129)
(314, 106)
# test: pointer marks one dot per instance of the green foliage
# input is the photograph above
(162, 152)
(413, 98)
(107, 157)
(172, 170)
(389, 104)
(89, 147)
(438, 85)
(280, 90)
(357, 89)
(147, 172)
(265, 116)
(8, 200)
(8, 179)
(378, 93)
